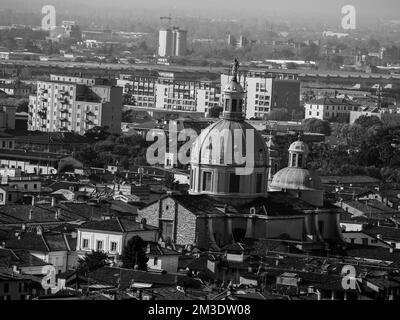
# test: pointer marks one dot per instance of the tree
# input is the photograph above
(368, 121)
(315, 125)
(97, 133)
(92, 262)
(134, 256)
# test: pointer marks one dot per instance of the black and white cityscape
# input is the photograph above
(220, 151)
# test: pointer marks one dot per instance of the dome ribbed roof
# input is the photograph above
(233, 86)
(296, 179)
(298, 146)
(217, 136)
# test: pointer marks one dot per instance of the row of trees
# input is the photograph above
(370, 146)
(107, 149)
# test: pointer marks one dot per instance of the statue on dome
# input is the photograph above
(235, 69)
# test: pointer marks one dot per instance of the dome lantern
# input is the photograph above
(233, 96)
(298, 152)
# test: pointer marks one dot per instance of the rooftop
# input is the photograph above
(120, 225)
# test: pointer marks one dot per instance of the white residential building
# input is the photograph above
(330, 108)
(265, 92)
(75, 104)
(172, 42)
(112, 235)
(170, 91)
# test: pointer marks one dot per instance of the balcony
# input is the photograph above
(65, 101)
(42, 114)
(64, 120)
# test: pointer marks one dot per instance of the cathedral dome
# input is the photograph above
(218, 144)
(229, 159)
(296, 179)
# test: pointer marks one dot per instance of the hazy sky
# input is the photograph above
(388, 9)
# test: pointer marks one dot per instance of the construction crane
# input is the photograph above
(169, 18)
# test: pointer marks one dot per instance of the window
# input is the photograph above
(234, 183)
(113, 246)
(6, 288)
(365, 241)
(206, 181)
(294, 158)
(234, 105)
(226, 104)
(240, 105)
(155, 261)
(99, 245)
(300, 160)
(25, 186)
(259, 183)
(85, 243)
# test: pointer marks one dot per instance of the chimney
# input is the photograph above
(30, 214)
(3, 245)
(148, 248)
(391, 250)
(39, 230)
(53, 201)
(379, 236)
(33, 200)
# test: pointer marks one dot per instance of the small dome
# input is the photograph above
(233, 86)
(217, 134)
(299, 146)
(296, 179)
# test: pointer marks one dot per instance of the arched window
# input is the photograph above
(240, 105)
(234, 183)
(300, 160)
(226, 104)
(294, 158)
(234, 105)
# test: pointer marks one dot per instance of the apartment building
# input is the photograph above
(172, 42)
(171, 91)
(139, 90)
(75, 104)
(266, 91)
(331, 109)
